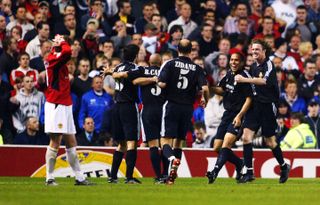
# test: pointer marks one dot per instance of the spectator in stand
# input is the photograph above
(307, 83)
(176, 33)
(202, 139)
(124, 14)
(313, 11)
(6, 106)
(8, 58)
(94, 103)
(122, 38)
(82, 83)
(293, 50)
(305, 50)
(184, 20)
(90, 39)
(313, 119)
(5, 134)
(285, 10)
(32, 7)
(317, 50)
(162, 37)
(6, 10)
(288, 62)
(240, 11)
(166, 56)
(24, 70)
(33, 47)
(284, 112)
(242, 25)
(30, 102)
(206, 42)
(213, 113)
(88, 137)
(39, 17)
(297, 103)
(300, 135)
(256, 13)
(69, 26)
(104, 29)
(147, 12)
(174, 13)
(2, 28)
(278, 23)
(38, 61)
(307, 29)
(16, 32)
(108, 49)
(100, 62)
(223, 48)
(268, 28)
(20, 20)
(32, 135)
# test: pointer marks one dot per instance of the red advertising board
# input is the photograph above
(96, 162)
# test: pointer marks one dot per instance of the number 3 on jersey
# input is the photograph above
(156, 90)
(182, 82)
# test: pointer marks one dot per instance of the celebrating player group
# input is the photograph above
(168, 92)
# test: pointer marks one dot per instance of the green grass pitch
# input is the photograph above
(32, 191)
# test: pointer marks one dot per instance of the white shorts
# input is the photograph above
(58, 119)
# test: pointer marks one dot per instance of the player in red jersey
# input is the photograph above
(58, 112)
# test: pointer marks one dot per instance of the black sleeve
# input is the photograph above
(164, 72)
(202, 81)
(136, 72)
(246, 87)
(222, 83)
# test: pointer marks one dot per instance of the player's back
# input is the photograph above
(183, 79)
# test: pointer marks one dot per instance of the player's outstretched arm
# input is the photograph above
(120, 74)
(145, 80)
(257, 81)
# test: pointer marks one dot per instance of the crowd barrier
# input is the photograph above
(96, 162)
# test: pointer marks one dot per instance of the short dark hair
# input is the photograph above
(23, 54)
(299, 116)
(185, 46)
(309, 60)
(175, 28)
(130, 52)
(40, 25)
(198, 125)
(7, 42)
(302, 7)
(120, 3)
(264, 45)
(153, 15)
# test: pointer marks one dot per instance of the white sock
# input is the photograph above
(51, 156)
(74, 163)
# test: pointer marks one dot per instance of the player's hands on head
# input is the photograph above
(58, 39)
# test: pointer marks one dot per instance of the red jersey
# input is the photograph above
(21, 72)
(58, 84)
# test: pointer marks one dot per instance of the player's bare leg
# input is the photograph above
(217, 144)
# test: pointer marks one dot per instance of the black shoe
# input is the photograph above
(83, 183)
(211, 177)
(284, 174)
(51, 182)
(112, 181)
(239, 171)
(160, 180)
(246, 178)
(132, 181)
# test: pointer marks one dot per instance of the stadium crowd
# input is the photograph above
(98, 31)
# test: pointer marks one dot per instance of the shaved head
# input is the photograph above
(184, 47)
(155, 60)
